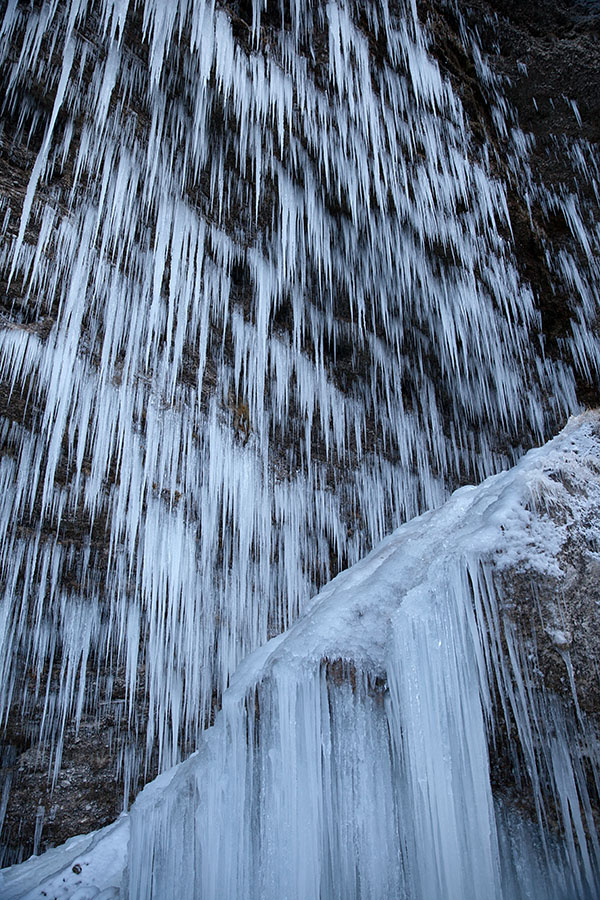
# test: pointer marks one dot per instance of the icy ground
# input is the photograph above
(400, 618)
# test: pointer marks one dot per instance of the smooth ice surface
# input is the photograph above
(350, 758)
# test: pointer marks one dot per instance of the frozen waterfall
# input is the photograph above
(350, 758)
(260, 309)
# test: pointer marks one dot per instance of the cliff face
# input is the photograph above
(269, 287)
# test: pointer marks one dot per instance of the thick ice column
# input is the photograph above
(437, 719)
(291, 796)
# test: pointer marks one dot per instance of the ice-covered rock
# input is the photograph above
(364, 752)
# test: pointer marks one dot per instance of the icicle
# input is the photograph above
(264, 320)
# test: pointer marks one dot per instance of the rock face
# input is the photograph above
(269, 285)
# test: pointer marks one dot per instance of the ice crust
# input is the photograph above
(350, 758)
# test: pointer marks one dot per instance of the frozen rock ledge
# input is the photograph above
(427, 730)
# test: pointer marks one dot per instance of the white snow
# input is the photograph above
(85, 867)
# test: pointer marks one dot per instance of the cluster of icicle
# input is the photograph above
(371, 778)
(223, 220)
(353, 756)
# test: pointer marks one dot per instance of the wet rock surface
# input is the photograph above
(84, 797)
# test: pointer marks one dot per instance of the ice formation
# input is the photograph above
(265, 311)
(350, 758)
